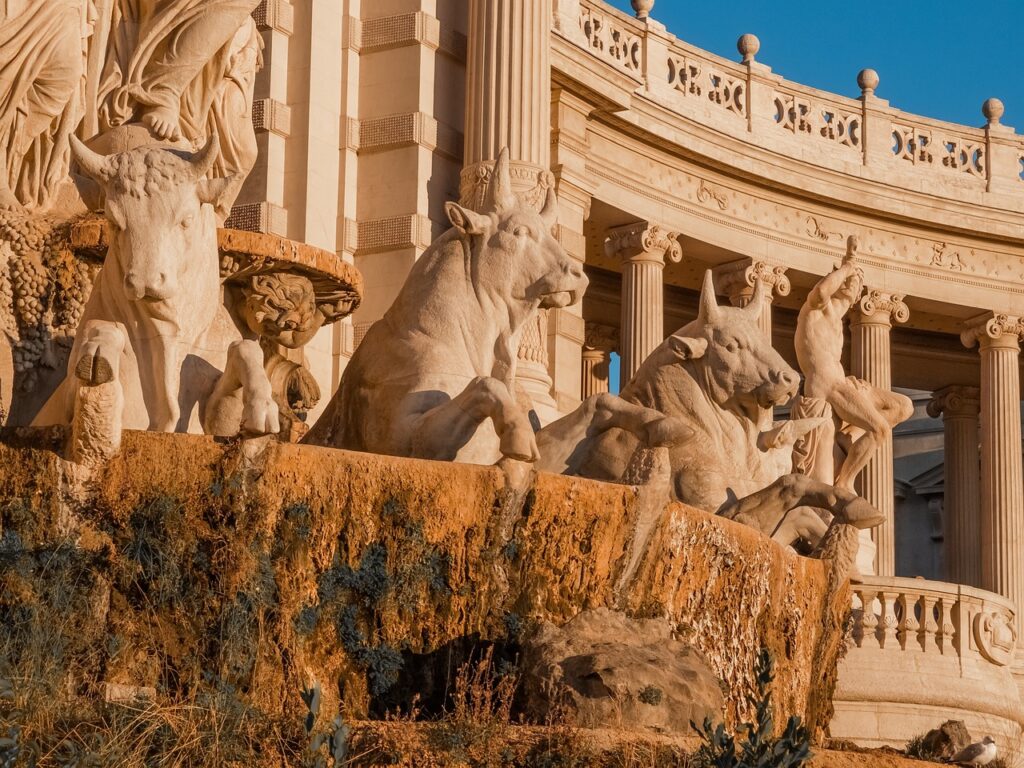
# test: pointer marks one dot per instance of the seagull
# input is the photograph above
(980, 753)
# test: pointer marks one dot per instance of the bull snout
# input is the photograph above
(785, 384)
(155, 286)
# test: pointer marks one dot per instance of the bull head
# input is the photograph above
(157, 205)
(738, 366)
(513, 254)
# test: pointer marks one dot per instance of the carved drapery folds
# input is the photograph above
(643, 248)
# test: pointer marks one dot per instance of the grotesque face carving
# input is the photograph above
(514, 253)
(281, 308)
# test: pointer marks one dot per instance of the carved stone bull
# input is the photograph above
(442, 360)
(155, 325)
(712, 378)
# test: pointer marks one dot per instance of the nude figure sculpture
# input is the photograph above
(868, 412)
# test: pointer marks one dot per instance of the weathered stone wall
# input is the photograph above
(262, 566)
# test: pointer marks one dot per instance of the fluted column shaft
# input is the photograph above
(643, 249)
(871, 360)
(508, 104)
(1002, 474)
(959, 408)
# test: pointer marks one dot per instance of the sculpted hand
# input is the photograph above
(260, 416)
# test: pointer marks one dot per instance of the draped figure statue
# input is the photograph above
(41, 68)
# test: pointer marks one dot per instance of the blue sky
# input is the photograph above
(938, 58)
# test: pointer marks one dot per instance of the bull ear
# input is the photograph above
(501, 197)
(214, 191)
(203, 160)
(687, 347)
(549, 213)
(93, 165)
(708, 303)
(466, 221)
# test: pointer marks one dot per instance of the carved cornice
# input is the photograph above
(955, 401)
(601, 337)
(642, 242)
(737, 279)
(991, 328)
(881, 307)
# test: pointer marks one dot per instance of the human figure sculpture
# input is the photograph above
(155, 321)
(185, 69)
(40, 77)
(868, 412)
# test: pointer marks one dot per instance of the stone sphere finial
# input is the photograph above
(868, 81)
(993, 110)
(643, 8)
(748, 45)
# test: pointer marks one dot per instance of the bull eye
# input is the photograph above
(522, 231)
(732, 346)
(186, 223)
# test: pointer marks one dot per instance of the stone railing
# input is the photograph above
(808, 124)
(921, 652)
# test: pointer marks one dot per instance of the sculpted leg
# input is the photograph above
(444, 430)
(766, 510)
(861, 405)
(98, 395)
(242, 401)
(566, 444)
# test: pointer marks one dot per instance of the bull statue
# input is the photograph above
(442, 360)
(711, 380)
(155, 329)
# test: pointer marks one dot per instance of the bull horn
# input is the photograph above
(203, 160)
(708, 303)
(93, 164)
(502, 196)
(756, 303)
(549, 213)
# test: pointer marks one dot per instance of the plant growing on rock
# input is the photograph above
(759, 747)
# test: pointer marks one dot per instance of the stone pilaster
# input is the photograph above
(871, 359)
(960, 409)
(1002, 475)
(600, 342)
(738, 279)
(643, 248)
(508, 104)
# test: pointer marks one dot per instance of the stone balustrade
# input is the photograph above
(805, 123)
(921, 652)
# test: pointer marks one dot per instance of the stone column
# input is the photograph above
(600, 342)
(737, 280)
(643, 248)
(871, 359)
(1002, 476)
(959, 408)
(508, 104)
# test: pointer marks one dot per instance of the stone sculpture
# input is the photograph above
(442, 359)
(868, 412)
(713, 378)
(155, 320)
(40, 78)
(185, 69)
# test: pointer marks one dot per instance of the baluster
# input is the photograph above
(929, 627)
(889, 623)
(869, 619)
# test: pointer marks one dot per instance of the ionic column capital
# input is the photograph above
(879, 308)
(738, 279)
(603, 338)
(955, 401)
(644, 242)
(993, 330)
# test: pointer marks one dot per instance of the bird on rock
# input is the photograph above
(980, 753)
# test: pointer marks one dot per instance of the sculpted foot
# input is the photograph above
(8, 202)
(518, 442)
(260, 416)
(163, 122)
